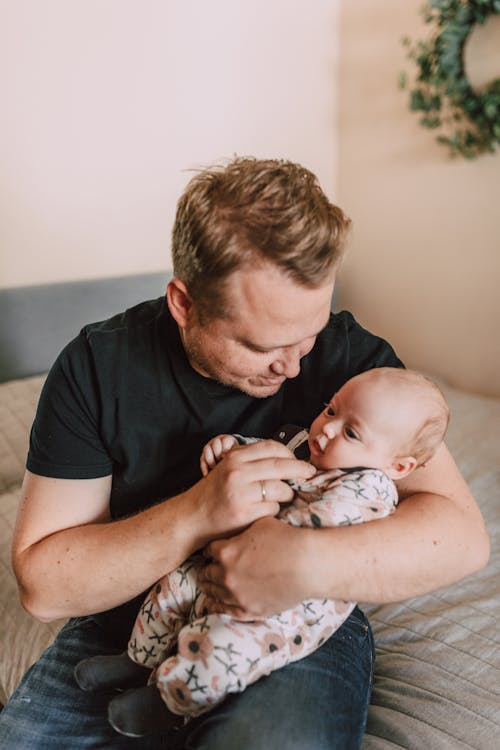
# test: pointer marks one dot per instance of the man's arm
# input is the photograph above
(435, 537)
(70, 559)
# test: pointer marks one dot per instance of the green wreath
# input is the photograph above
(469, 120)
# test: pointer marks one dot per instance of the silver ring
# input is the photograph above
(263, 490)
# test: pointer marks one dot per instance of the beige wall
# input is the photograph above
(424, 263)
(106, 103)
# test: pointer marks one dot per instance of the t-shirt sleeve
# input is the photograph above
(65, 440)
(364, 350)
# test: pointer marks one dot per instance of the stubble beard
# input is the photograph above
(201, 364)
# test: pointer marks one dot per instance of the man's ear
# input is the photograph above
(401, 466)
(179, 302)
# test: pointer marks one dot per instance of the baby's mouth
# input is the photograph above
(319, 443)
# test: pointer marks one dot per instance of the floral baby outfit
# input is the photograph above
(199, 658)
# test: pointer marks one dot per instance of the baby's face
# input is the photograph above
(361, 426)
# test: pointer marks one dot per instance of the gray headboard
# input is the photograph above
(37, 321)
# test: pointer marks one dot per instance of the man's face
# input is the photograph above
(273, 323)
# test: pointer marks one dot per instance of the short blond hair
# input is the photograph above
(249, 210)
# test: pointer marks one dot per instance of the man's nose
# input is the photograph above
(288, 363)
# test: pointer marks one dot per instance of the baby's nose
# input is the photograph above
(330, 428)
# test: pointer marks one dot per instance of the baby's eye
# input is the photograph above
(351, 434)
(329, 411)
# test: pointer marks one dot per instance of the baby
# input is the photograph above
(378, 428)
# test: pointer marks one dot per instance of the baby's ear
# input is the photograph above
(401, 466)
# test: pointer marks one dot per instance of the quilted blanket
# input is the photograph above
(24, 638)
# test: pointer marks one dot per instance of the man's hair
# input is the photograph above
(435, 413)
(248, 211)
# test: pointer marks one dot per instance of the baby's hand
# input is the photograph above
(215, 450)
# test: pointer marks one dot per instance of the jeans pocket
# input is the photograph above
(358, 628)
(358, 623)
(78, 622)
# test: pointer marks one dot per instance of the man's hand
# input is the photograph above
(245, 575)
(247, 485)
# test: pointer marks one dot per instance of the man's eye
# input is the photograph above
(329, 411)
(351, 434)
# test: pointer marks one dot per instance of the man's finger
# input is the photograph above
(262, 449)
(263, 509)
(211, 575)
(272, 491)
(283, 468)
(274, 468)
(215, 606)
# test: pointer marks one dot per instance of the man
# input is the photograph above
(113, 497)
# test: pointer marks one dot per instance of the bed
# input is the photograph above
(437, 679)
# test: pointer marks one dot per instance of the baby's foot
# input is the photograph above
(104, 672)
(142, 712)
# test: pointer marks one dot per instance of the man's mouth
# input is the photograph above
(272, 381)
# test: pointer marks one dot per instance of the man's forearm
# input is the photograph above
(93, 567)
(427, 543)
(70, 560)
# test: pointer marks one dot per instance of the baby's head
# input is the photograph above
(386, 418)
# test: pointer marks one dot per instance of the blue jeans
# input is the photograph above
(318, 703)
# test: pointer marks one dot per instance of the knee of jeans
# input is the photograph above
(223, 732)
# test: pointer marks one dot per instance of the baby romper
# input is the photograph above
(199, 658)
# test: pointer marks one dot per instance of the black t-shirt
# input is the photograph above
(122, 399)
